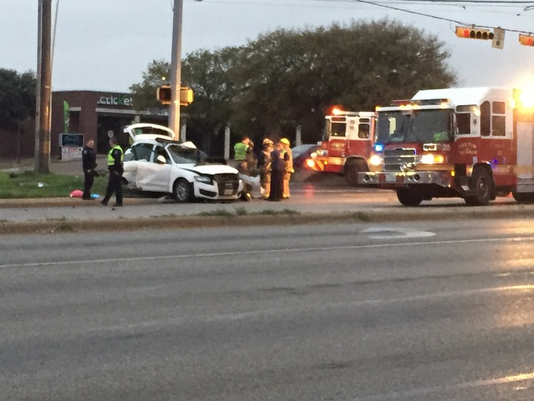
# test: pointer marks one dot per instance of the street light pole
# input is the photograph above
(44, 89)
(176, 70)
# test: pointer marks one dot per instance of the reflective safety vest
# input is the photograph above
(240, 151)
(111, 160)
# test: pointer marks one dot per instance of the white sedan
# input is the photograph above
(157, 163)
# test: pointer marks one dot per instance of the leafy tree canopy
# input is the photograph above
(288, 78)
(17, 98)
(144, 93)
(291, 77)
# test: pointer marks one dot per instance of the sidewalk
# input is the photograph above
(67, 167)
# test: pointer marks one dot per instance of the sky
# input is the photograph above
(106, 45)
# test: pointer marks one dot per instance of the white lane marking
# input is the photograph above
(409, 394)
(269, 251)
(388, 233)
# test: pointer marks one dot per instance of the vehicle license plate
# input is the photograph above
(228, 191)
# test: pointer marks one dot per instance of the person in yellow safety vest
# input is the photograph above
(240, 155)
(289, 168)
(116, 169)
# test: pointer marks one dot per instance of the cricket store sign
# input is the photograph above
(115, 99)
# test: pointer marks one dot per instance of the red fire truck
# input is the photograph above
(473, 143)
(346, 145)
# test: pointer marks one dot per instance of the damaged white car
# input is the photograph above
(156, 162)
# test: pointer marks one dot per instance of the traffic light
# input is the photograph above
(498, 38)
(186, 96)
(473, 33)
(164, 94)
(526, 40)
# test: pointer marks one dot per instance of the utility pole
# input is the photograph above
(44, 89)
(176, 70)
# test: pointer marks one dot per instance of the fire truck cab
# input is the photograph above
(346, 144)
(473, 143)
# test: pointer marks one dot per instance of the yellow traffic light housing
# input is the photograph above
(473, 33)
(164, 95)
(186, 96)
(526, 40)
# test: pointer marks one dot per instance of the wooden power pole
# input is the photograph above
(43, 117)
(176, 70)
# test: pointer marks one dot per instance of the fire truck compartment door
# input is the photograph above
(525, 150)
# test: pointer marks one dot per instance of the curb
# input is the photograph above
(271, 218)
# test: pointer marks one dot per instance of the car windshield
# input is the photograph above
(421, 126)
(185, 155)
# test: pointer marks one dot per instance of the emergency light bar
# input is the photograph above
(424, 102)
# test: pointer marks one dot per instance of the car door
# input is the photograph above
(153, 175)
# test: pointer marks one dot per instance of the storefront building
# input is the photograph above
(96, 115)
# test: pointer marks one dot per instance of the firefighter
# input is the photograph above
(279, 158)
(289, 168)
(251, 160)
(88, 165)
(264, 165)
(116, 169)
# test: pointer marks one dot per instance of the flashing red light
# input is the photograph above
(336, 111)
(526, 40)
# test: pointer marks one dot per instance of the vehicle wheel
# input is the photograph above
(523, 197)
(351, 170)
(482, 183)
(183, 191)
(409, 197)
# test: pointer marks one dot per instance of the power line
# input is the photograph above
(390, 6)
(436, 17)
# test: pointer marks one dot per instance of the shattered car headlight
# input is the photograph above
(204, 179)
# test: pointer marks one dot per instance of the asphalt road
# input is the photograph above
(359, 312)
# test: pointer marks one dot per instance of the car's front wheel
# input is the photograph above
(183, 191)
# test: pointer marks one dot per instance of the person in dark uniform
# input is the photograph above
(279, 159)
(116, 169)
(89, 166)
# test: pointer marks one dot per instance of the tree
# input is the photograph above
(144, 93)
(290, 77)
(17, 98)
(208, 75)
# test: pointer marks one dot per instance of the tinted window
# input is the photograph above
(363, 131)
(338, 128)
(463, 122)
(498, 125)
(499, 107)
(485, 119)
